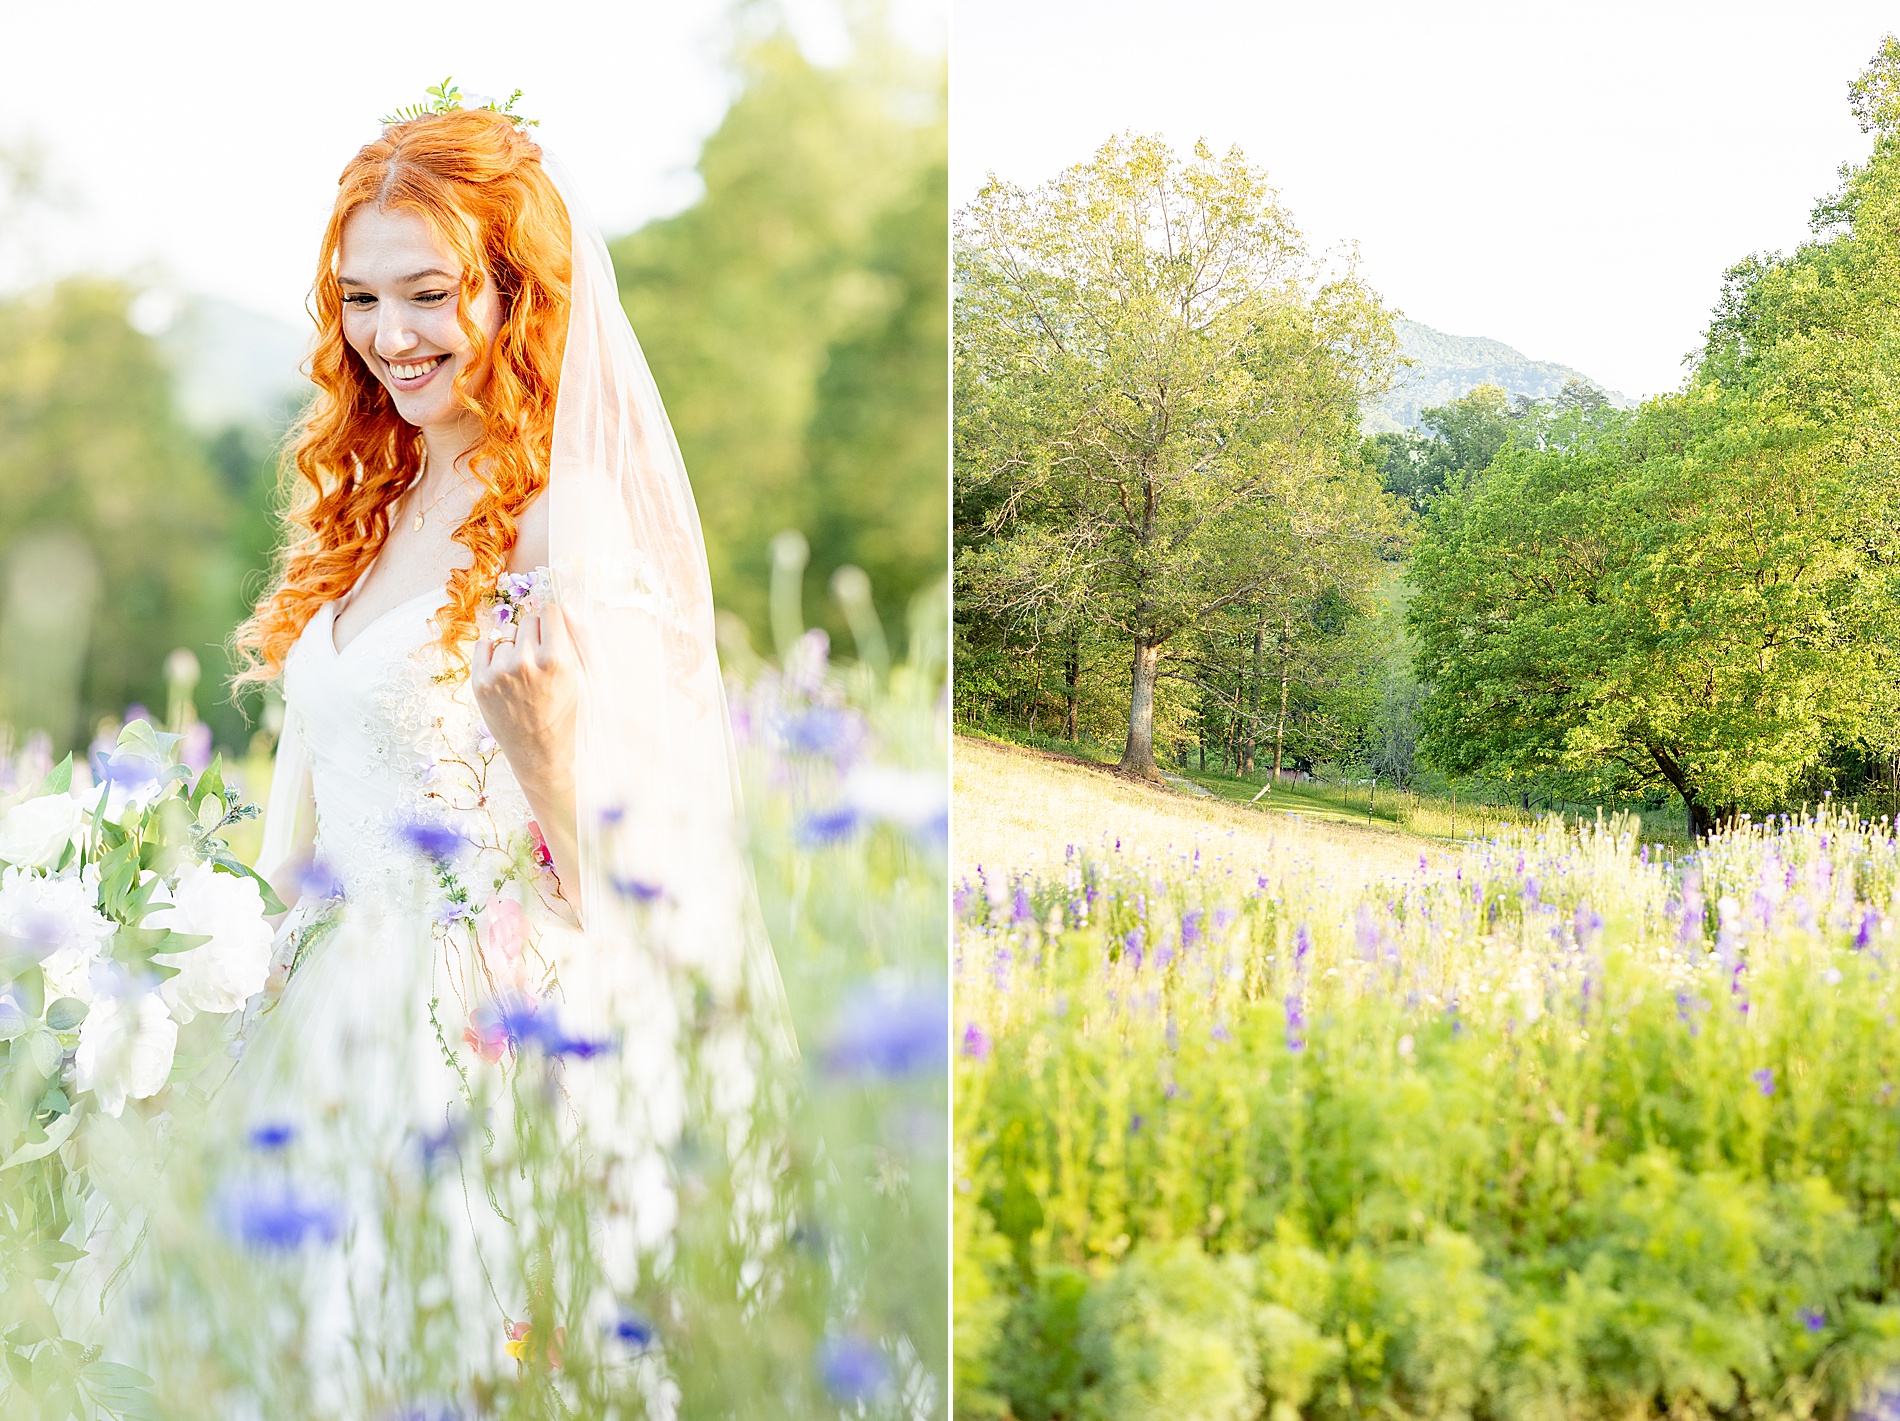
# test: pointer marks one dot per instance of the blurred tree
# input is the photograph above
(100, 480)
(795, 320)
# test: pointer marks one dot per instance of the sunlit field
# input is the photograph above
(1558, 1124)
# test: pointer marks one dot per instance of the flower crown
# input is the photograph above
(446, 98)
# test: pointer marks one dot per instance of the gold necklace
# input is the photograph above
(421, 474)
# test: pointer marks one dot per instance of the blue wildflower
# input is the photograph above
(638, 890)
(976, 1041)
(319, 881)
(272, 1135)
(633, 1330)
(884, 1031)
(1812, 1318)
(1131, 948)
(851, 1368)
(1764, 1079)
(524, 1021)
(1295, 1022)
(277, 1215)
(827, 826)
(1190, 928)
(823, 730)
(1020, 911)
(1302, 943)
(432, 839)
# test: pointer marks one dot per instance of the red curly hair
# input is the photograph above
(479, 184)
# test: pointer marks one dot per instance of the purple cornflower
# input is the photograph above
(432, 839)
(633, 1330)
(823, 730)
(272, 1135)
(525, 1021)
(1190, 928)
(976, 1042)
(1588, 925)
(319, 881)
(827, 826)
(1764, 1079)
(277, 1215)
(1812, 1318)
(638, 890)
(851, 1368)
(891, 1031)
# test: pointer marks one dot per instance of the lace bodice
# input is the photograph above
(398, 751)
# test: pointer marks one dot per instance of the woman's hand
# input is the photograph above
(528, 692)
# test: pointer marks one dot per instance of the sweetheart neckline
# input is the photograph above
(329, 632)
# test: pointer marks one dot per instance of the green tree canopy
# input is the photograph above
(795, 320)
(1157, 393)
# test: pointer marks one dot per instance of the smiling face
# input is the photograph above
(401, 288)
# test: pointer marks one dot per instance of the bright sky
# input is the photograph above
(201, 139)
(1571, 179)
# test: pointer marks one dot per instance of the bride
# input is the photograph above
(502, 814)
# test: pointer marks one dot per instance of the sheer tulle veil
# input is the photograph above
(658, 805)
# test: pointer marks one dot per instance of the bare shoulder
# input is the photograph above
(531, 536)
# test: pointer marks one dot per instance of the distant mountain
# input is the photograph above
(1444, 367)
(234, 366)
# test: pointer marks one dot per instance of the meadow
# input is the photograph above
(1558, 1124)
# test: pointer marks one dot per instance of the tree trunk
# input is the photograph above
(1701, 817)
(1071, 673)
(1138, 755)
(1286, 678)
(1253, 699)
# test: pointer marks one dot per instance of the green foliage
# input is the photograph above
(447, 98)
(116, 534)
(1155, 400)
(1560, 1130)
(795, 320)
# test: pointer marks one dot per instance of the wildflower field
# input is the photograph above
(1560, 1126)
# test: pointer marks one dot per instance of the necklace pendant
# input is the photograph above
(417, 525)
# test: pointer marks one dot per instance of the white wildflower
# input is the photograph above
(125, 1050)
(56, 920)
(224, 973)
(35, 834)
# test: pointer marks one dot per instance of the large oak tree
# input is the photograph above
(1157, 388)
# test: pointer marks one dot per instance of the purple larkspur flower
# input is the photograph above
(1131, 948)
(1190, 928)
(890, 1030)
(1220, 1032)
(1295, 1022)
(976, 1042)
(827, 826)
(432, 839)
(276, 1215)
(271, 1135)
(1135, 1123)
(1869, 925)
(1020, 911)
(1587, 924)
(1302, 944)
(1764, 1079)
(851, 1368)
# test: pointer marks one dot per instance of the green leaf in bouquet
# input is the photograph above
(55, 1250)
(48, 1140)
(65, 1014)
(138, 738)
(54, 1099)
(139, 945)
(29, 989)
(44, 1052)
(118, 876)
(210, 785)
(59, 780)
(223, 858)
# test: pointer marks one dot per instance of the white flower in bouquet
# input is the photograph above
(223, 974)
(125, 1049)
(57, 920)
(35, 834)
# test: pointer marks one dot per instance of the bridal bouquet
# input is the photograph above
(123, 916)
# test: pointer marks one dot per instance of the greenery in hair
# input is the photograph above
(446, 98)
